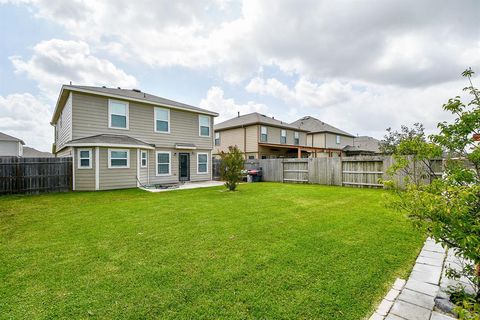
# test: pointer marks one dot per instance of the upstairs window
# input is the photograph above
(162, 120)
(117, 114)
(283, 136)
(338, 140)
(263, 134)
(84, 158)
(296, 138)
(163, 163)
(204, 123)
(143, 159)
(202, 160)
(118, 158)
(217, 138)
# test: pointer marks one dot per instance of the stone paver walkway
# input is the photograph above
(415, 299)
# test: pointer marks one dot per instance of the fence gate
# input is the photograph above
(295, 171)
(362, 173)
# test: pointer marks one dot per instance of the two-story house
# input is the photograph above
(122, 138)
(260, 137)
(324, 139)
(10, 146)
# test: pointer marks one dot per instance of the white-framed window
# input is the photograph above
(117, 114)
(204, 125)
(202, 162)
(296, 138)
(263, 134)
(338, 139)
(162, 120)
(217, 138)
(118, 158)
(84, 158)
(283, 136)
(163, 161)
(143, 159)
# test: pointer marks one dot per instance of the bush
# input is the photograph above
(231, 167)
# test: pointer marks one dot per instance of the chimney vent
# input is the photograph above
(119, 88)
(238, 113)
(136, 90)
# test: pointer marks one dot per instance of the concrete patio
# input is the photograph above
(187, 185)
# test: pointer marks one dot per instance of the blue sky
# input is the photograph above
(361, 66)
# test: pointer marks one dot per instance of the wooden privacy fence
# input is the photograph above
(362, 172)
(35, 175)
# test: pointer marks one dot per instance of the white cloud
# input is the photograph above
(56, 62)
(361, 108)
(227, 107)
(400, 42)
(27, 118)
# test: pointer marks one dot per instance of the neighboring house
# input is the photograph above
(260, 137)
(363, 145)
(122, 138)
(324, 140)
(10, 146)
(29, 152)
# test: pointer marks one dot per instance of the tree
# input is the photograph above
(448, 208)
(231, 167)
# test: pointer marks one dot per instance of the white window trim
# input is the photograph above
(283, 136)
(208, 161)
(79, 166)
(200, 127)
(266, 133)
(142, 152)
(155, 120)
(338, 141)
(127, 114)
(215, 139)
(169, 164)
(110, 158)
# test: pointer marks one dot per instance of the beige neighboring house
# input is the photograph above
(260, 137)
(363, 145)
(10, 146)
(324, 139)
(122, 138)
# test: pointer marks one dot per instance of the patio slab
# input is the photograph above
(189, 185)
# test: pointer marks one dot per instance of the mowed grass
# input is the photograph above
(267, 251)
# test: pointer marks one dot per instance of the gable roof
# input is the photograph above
(251, 119)
(367, 143)
(29, 152)
(108, 140)
(6, 137)
(316, 126)
(126, 94)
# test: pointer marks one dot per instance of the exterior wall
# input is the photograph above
(174, 169)
(232, 137)
(116, 178)
(63, 127)
(11, 148)
(90, 117)
(332, 142)
(274, 135)
(67, 152)
(328, 140)
(252, 139)
(84, 179)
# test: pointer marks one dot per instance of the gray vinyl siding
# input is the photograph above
(90, 117)
(64, 132)
(332, 142)
(84, 178)
(117, 178)
(252, 139)
(174, 170)
(273, 136)
(67, 152)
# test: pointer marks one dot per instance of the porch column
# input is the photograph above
(299, 153)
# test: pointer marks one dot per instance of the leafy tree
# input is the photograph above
(448, 208)
(231, 167)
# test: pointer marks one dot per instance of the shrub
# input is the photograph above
(231, 167)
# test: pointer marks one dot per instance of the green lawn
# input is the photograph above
(266, 251)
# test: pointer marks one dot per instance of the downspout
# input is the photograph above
(245, 141)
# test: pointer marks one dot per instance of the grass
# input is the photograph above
(266, 251)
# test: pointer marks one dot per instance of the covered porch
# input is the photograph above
(271, 150)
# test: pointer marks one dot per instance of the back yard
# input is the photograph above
(267, 251)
